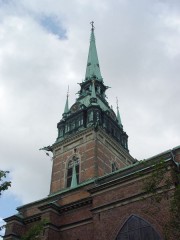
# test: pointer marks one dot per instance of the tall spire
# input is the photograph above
(66, 108)
(118, 114)
(93, 69)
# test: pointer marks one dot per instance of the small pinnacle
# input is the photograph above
(68, 91)
(117, 103)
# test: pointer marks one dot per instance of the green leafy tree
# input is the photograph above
(159, 178)
(35, 232)
(4, 185)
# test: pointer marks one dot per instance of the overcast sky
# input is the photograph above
(43, 49)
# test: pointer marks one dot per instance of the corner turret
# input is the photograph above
(118, 115)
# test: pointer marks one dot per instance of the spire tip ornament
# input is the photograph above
(92, 24)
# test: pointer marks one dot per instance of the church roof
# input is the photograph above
(120, 174)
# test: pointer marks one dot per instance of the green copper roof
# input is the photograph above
(93, 93)
(66, 108)
(93, 69)
(118, 117)
(86, 102)
(74, 177)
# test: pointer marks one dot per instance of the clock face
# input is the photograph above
(75, 107)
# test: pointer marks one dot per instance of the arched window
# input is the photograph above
(74, 160)
(90, 116)
(135, 228)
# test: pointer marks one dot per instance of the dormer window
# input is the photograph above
(61, 132)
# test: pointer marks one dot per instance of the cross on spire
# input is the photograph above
(92, 24)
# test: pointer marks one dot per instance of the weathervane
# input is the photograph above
(92, 24)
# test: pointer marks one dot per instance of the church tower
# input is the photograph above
(91, 140)
(97, 189)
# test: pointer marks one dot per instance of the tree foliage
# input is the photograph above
(4, 185)
(160, 179)
(35, 232)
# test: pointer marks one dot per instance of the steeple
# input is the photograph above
(118, 115)
(91, 108)
(93, 69)
(66, 108)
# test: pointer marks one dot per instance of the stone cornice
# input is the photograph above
(50, 205)
(32, 218)
(65, 208)
(74, 205)
(14, 218)
(123, 175)
(127, 200)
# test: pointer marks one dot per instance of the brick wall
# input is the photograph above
(96, 154)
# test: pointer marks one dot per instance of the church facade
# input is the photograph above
(98, 190)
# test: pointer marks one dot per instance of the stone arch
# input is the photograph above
(136, 228)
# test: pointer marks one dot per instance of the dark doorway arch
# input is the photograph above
(135, 228)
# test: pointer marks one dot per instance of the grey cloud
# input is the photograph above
(138, 51)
